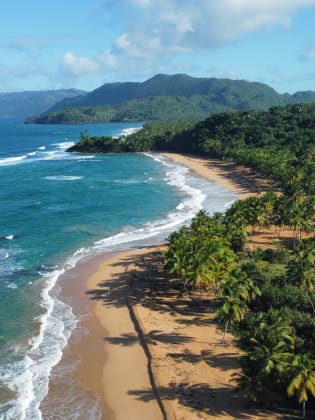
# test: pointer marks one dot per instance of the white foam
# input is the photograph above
(58, 153)
(63, 177)
(84, 157)
(12, 160)
(29, 377)
(176, 175)
(8, 237)
(64, 145)
(229, 203)
(11, 286)
(128, 131)
(128, 181)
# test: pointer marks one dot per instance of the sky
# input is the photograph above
(83, 44)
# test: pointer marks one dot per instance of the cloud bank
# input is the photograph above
(153, 32)
(80, 66)
(168, 26)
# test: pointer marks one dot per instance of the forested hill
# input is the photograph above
(167, 97)
(279, 143)
(225, 92)
(24, 104)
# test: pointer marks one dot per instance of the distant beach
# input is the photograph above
(146, 353)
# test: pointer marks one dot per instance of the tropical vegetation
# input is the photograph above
(278, 143)
(166, 97)
(265, 297)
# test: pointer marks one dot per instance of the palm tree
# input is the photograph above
(233, 309)
(179, 253)
(302, 268)
(238, 284)
(269, 201)
(265, 367)
(235, 231)
(302, 382)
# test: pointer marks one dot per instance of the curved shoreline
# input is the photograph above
(119, 360)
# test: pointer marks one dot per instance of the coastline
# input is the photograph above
(243, 181)
(144, 354)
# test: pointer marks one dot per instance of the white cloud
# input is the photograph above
(309, 54)
(80, 66)
(167, 26)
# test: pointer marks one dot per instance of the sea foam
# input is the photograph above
(29, 377)
(12, 160)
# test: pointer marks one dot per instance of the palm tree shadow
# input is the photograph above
(152, 337)
(202, 398)
(124, 340)
(246, 180)
(150, 285)
(221, 361)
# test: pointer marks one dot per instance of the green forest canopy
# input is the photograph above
(167, 97)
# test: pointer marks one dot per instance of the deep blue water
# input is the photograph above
(56, 208)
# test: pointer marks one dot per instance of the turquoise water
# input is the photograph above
(56, 208)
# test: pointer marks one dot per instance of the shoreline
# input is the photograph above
(124, 354)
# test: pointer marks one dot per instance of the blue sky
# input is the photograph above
(86, 43)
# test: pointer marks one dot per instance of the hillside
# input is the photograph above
(167, 97)
(24, 104)
(225, 92)
(146, 109)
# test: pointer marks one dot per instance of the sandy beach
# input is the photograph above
(149, 352)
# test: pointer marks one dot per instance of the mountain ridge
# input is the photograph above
(167, 85)
(27, 103)
(162, 96)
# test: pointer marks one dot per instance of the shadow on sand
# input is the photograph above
(143, 280)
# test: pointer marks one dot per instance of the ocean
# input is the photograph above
(57, 208)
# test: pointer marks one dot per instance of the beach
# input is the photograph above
(148, 351)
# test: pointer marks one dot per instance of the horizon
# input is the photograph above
(45, 47)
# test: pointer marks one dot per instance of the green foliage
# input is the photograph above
(265, 296)
(75, 116)
(166, 97)
(221, 93)
(284, 306)
(302, 383)
(152, 108)
(278, 144)
(200, 254)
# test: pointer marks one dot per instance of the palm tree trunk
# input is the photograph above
(225, 331)
(303, 408)
(186, 290)
(310, 298)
